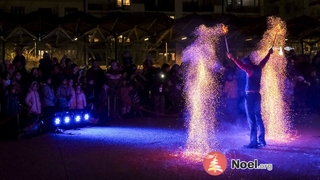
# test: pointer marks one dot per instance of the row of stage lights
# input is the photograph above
(70, 118)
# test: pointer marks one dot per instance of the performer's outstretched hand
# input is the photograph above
(229, 55)
(270, 50)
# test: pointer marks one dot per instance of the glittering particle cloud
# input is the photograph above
(202, 89)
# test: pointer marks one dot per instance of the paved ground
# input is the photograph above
(152, 149)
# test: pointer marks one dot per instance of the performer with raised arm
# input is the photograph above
(253, 98)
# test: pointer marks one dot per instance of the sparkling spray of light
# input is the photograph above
(202, 90)
(275, 111)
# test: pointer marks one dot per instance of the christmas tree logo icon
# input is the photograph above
(215, 163)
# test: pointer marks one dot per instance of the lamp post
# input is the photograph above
(166, 52)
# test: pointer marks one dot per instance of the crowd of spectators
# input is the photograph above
(120, 91)
(124, 91)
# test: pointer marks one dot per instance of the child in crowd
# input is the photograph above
(80, 98)
(33, 103)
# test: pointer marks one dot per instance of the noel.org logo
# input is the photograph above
(215, 163)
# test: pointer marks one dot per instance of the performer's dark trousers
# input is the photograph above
(253, 110)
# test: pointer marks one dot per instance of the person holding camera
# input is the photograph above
(158, 88)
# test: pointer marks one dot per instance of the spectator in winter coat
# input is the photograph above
(33, 99)
(64, 95)
(48, 100)
(34, 105)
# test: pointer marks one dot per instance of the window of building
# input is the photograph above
(93, 39)
(45, 10)
(68, 11)
(168, 56)
(250, 6)
(198, 5)
(122, 3)
(173, 56)
(234, 4)
(17, 10)
(207, 5)
(165, 5)
(151, 5)
(250, 3)
(244, 3)
(123, 39)
(314, 2)
(138, 1)
(41, 52)
(274, 1)
(217, 2)
(190, 5)
(95, 7)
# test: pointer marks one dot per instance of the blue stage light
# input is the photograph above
(67, 119)
(57, 121)
(77, 118)
(70, 119)
(86, 117)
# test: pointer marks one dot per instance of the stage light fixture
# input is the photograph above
(77, 118)
(57, 121)
(86, 116)
(67, 119)
(70, 119)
